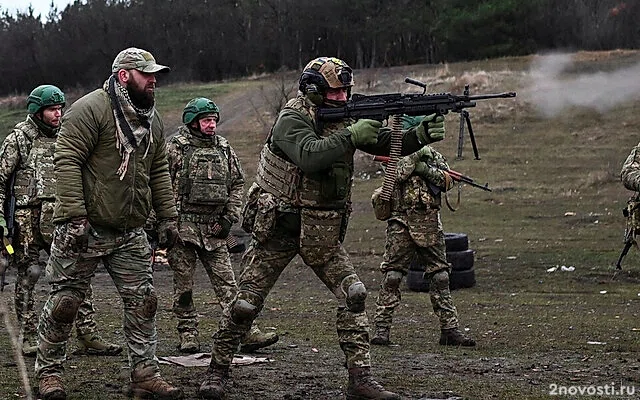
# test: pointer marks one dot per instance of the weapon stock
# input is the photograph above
(455, 175)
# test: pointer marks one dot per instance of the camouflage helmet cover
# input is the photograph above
(323, 73)
(44, 96)
(198, 107)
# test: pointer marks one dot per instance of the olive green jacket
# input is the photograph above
(86, 161)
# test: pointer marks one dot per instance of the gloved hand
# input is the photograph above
(421, 168)
(221, 228)
(431, 129)
(75, 236)
(167, 233)
(435, 176)
(426, 154)
(3, 225)
(364, 132)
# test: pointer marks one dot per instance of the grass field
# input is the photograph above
(556, 200)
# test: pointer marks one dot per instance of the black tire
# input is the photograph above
(415, 281)
(415, 266)
(462, 279)
(461, 260)
(456, 241)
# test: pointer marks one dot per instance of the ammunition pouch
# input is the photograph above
(320, 232)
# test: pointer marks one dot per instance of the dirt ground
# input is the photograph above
(556, 202)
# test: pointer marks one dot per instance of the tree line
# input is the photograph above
(205, 40)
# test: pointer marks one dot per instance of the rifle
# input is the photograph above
(630, 212)
(455, 175)
(10, 216)
(380, 107)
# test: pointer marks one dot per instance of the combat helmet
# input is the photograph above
(323, 73)
(198, 106)
(44, 96)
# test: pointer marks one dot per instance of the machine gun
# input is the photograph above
(380, 107)
(631, 214)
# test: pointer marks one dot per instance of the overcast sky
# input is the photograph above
(40, 6)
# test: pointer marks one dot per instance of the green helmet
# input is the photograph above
(44, 96)
(198, 106)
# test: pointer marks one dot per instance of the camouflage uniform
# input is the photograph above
(116, 202)
(415, 229)
(208, 184)
(28, 151)
(630, 174)
(301, 207)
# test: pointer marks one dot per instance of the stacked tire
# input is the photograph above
(459, 256)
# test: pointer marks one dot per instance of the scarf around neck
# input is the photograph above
(133, 125)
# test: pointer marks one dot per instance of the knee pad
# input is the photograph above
(392, 279)
(149, 304)
(33, 274)
(65, 308)
(245, 308)
(355, 293)
(185, 299)
(440, 280)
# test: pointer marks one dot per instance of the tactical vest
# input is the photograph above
(327, 189)
(35, 181)
(205, 177)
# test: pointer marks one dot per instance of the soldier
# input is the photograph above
(415, 229)
(300, 204)
(27, 152)
(630, 174)
(111, 170)
(208, 184)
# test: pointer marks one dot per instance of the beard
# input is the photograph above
(139, 97)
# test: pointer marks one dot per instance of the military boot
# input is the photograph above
(29, 345)
(146, 385)
(256, 339)
(455, 337)
(363, 387)
(381, 337)
(215, 383)
(189, 342)
(93, 344)
(51, 388)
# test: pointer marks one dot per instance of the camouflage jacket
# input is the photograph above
(86, 161)
(208, 183)
(324, 151)
(15, 156)
(630, 174)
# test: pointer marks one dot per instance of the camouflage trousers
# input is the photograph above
(217, 263)
(262, 265)
(29, 267)
(400, 250)
(127, 258)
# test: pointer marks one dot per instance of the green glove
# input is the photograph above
(364, 132)
(426, 154)
(421, 168)
(3, 225)
(431, 129)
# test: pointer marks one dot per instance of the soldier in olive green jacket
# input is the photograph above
(111, 171)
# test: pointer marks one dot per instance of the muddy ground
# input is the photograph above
(556, 201)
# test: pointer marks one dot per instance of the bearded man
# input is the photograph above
(111, 171)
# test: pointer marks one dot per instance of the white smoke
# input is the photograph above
(553, 90)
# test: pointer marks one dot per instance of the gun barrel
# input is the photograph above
(625, 250)
(503, 95)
